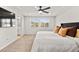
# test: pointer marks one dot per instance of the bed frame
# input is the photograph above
(74, 24)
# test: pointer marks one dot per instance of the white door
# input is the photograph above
(19, 25)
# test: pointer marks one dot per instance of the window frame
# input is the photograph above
(40, 22)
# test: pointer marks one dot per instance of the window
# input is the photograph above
(40, 22)
(7, 22)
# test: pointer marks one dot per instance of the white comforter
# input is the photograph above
(47, 41)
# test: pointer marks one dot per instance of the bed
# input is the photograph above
(48, 41)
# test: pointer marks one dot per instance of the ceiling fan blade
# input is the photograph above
(45, 11)
(46, 8)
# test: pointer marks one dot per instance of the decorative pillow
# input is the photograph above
(63, 31)
(77, 33)
(57, 29)
(72, 31)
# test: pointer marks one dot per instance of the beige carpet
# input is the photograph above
(23, 44)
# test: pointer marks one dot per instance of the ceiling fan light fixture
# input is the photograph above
(40, 12)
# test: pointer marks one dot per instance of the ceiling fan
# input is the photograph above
(44, 10)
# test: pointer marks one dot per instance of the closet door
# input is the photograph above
(19, 26)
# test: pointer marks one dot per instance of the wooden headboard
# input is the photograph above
(74, 24)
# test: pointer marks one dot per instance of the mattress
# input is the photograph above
(48, 41)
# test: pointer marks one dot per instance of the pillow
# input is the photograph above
(63, 31)
(57, 29)
(77, 33)
(72, 31)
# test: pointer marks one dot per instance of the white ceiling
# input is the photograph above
(31, 10)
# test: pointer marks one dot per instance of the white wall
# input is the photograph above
(7, 36)
(31, 30)
(72, 15)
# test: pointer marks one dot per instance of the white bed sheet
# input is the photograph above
(48, 41)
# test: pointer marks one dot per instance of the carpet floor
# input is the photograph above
(23, 44)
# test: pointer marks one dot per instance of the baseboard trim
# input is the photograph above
(7, 44)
